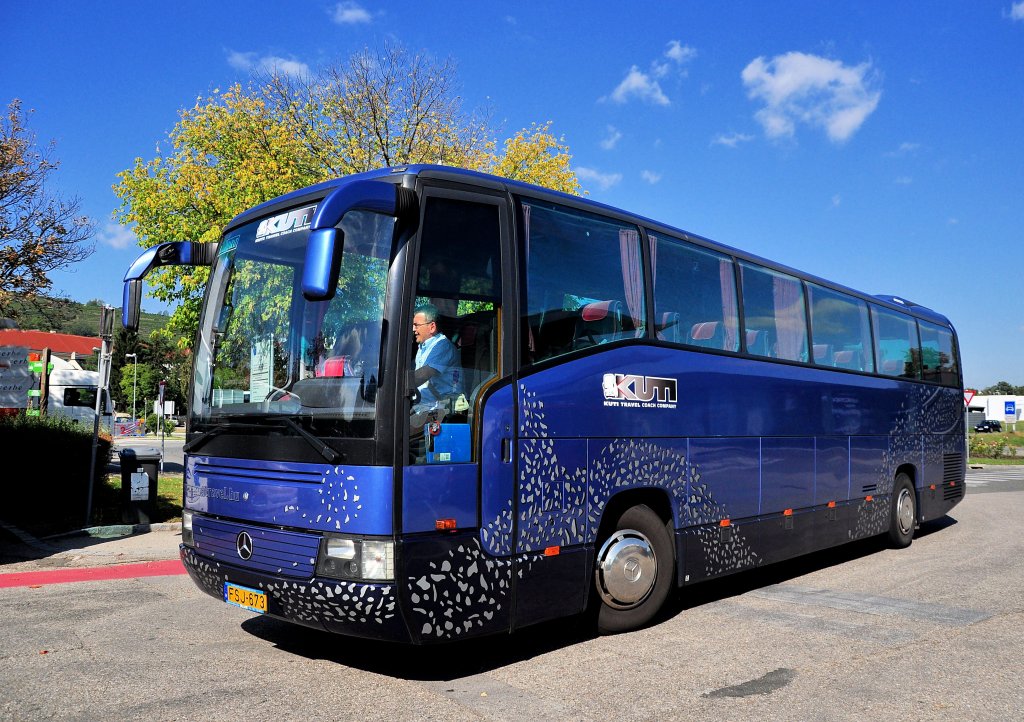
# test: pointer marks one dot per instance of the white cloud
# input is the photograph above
(241, 61)
(732, 140)
(644, 86)
(117, 236)
(680, 53)
(639, 85)
(612, 139)
(904, 180)
(1017, 11)
(267, 64)
(650, 176)
(904, 148)
(818, 92)
(604, 181)
(350, 13)
(284, 66)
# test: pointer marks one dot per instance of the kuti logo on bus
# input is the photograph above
(289, 222)
(646, 392)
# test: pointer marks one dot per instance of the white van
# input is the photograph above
(72, 393)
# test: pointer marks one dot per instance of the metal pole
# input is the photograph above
(135, 373)
(162, 423)
(967, 432)
(101, 367)
(103, 379)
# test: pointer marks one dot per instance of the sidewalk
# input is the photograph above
(98, 546)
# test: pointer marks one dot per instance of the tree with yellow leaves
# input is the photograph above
(243, 146)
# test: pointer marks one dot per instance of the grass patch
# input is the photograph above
(1018, 461)
(1015, 439)
(109, 507)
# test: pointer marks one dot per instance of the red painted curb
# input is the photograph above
(92, 574)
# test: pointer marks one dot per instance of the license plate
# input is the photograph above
(245, 598)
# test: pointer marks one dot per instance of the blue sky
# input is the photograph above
(880, 146)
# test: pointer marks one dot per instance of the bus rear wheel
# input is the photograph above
(634, 571)
(903, 513)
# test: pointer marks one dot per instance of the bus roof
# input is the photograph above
(400, 173)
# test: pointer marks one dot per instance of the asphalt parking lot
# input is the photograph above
(858, 632)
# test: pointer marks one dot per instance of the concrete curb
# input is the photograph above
(118, 530)
(96, 532)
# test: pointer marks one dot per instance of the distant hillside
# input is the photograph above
(82, 319)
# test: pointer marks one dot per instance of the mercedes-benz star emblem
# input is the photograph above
(243, 545)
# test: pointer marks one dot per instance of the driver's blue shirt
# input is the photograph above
(438, 353)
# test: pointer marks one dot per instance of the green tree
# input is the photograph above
(241, 147)
(146, 379)
(1003, 388)
(39, 232)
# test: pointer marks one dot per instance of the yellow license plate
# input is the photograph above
(245, 598)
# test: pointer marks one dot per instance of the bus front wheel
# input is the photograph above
(634, 571)
(903, 514)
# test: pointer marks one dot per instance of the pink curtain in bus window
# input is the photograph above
(531, 344)
(652, 241)
(729, 316)
(632, 275)
(867, 354)
(789, 318)
(659, 323)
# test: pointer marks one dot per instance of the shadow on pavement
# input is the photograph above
(459, 659)
(437, 662)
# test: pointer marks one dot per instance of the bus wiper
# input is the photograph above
(204, 437)
(325, 451)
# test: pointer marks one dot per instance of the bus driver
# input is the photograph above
(437, 369)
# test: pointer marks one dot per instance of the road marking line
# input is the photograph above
(92, 574)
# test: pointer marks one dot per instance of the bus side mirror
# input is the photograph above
(131, 305)
(326, 241)
(177, 253)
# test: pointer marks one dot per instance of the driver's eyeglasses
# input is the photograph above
(425, 323)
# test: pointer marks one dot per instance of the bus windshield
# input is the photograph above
(265, 351)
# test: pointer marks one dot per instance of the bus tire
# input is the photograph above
(903, 512)
(634, 570)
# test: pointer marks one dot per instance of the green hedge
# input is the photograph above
(153, 425)
(52, 454)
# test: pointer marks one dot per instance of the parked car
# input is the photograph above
(986, 426)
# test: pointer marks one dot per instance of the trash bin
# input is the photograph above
(140, 470)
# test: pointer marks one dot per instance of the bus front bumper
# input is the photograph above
(357, 609)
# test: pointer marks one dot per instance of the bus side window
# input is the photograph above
(694, 295)
(773, 304)
(841, 330)
(938, 359)
(459, 278)
(584, 281)
(896, 344)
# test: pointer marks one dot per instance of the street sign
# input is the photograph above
(968, 395)
(1010, 411)
(36, 367)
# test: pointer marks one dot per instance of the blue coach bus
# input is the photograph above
(627, 408)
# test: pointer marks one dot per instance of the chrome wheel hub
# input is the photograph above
(905, 511)
(626, 569)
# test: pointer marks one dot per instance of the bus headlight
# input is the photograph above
(352, 558)
(187, 538)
